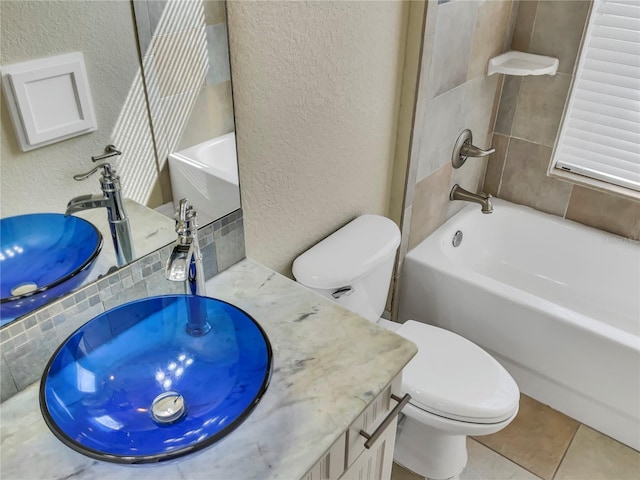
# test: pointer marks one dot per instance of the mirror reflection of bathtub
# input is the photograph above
(207, 175)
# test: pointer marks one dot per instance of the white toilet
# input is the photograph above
(457, 389)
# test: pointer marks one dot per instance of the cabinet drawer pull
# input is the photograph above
(371, 439)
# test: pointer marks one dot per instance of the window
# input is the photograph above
(600, 133)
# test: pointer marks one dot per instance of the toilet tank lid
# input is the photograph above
(347, 254)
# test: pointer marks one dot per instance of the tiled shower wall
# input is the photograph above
(454, 93)
(529, 119)
(212, 114)
(28, 343)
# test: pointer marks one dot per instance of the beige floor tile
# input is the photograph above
(595, 456)
(536, 440)
(401, 473)
(483, 464)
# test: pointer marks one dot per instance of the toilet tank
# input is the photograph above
(354, 265)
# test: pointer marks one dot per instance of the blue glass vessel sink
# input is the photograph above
(132, 386)
(42, 257)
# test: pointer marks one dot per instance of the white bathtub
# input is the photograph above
(557, 303)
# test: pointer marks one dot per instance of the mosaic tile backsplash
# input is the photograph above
(27, 344)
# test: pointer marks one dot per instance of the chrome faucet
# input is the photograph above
(111, 199)
(185, 264)
(459, 193)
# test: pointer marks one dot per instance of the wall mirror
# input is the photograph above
(159, 77)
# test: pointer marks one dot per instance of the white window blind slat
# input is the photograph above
(609, 100)
(601, 31)
(600, 133)
(612, 79)
(606, 132)
(608, 110)
(608, 67)
(601, 149)
(612, 175)
(614, 45)
(616, 20)
(629, 94)
(592, 156)
(586, 135)
(629, 125)
(613, 58)
(621, 9)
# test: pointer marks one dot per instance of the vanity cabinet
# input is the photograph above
(348, 458)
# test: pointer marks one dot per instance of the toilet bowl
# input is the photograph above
(456, 388)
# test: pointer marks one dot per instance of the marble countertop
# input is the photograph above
(328, 365)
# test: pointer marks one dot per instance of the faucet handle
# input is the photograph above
(185, 217)
(181, 212)
(464, 148)
(108, 172)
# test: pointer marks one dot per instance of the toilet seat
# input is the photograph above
(453, 378)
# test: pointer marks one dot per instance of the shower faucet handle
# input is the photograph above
(464, 149)
(469, 150)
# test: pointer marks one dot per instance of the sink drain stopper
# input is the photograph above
(168, 407)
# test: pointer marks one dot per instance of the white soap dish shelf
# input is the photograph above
(521, 64)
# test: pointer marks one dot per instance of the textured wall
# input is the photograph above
(316, 91)
(40, 180)
(529, 121)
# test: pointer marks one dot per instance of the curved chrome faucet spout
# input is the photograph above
(459, 193)
(111, 199)
(185, 264)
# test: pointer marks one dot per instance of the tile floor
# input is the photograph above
(542, 443)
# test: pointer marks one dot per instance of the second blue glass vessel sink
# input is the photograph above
(132, 386)
(42, 257)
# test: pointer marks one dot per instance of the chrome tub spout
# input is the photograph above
(459, 193)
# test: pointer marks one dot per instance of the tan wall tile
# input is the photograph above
(540, 106)
(523, 28)
(444, 119)
(558, 30)
(492, 22)
(605, 211)
(525, 180)
(480, 99)
(452, 46)
(212, 115)
(508, 104)
(430, 203)
(214, 11)
(495, 165)
(496, 102)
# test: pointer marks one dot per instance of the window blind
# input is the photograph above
(600, 133)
